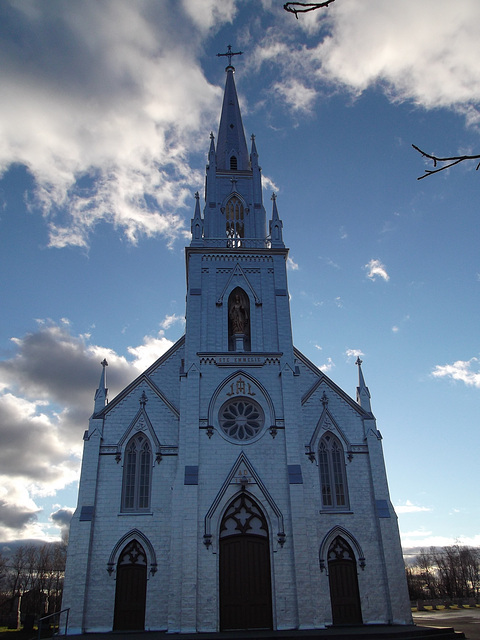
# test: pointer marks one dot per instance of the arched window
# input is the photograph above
(332, 473)
(137, 474)
(233, 163)
(234, 218)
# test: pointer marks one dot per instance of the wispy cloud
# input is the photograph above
(291, 264)
(375, 269)
(327, 366)
(353, 353)
(171, 320)
(466, 371)
(409, 507)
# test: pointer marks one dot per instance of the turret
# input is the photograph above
(101, 394)
(363, 394)
(276, 226)
(197, 224)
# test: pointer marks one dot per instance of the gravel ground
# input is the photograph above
(466, 620)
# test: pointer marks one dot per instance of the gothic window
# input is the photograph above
(332, 473)
(234, 217)
(137, 474)
(233, 163)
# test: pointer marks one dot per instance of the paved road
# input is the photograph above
(466, 620)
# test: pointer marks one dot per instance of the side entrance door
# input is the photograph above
(131, 589)
(245, 580)
(342, 575)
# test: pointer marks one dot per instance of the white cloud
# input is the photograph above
(291, 264)
(151, 349)
(395, 329)
(328, 366)
(170, 320)
(423, 52)
(462, 370)
(354, 353)
(424, 538)
(376, 268)
(409, 507)
(92, 121)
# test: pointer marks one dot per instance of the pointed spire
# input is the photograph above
(197, 224)
(212, 145)
(102, 391)
(363, 394)
(232, 151)
(253, 153)
(276, 225)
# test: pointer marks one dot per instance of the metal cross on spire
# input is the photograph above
(229, 54)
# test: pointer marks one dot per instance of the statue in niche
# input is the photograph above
(238, 315)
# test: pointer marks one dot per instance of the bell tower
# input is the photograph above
(240, 305)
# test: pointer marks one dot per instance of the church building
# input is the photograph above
(233, 485)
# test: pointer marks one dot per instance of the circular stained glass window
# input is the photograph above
(241, 419)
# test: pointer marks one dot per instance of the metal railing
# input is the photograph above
(52, 615)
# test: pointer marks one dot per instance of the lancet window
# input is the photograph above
(332, 473)
(235, 218)
(137, 473)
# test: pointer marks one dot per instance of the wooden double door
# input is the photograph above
(245, 579)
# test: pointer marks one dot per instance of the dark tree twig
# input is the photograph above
(292, 7)
(452, 161)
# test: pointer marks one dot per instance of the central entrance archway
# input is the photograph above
(245, 580)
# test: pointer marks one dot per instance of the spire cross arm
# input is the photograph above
(229, 54)
(104, 363)
(358, 361)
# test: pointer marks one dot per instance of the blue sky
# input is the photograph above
(105, 119)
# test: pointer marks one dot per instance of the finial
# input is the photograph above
(252, 137)
(229, 55)
(143, 399)
(197, 195)
(358, 361)
(104, 363)
(274, 196)
(212, 137)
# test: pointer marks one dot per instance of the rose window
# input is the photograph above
(241, 419)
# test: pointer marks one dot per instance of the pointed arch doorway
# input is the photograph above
(245, 581)
(131, 589)
(343, 580)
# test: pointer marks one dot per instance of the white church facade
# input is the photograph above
(233, 485)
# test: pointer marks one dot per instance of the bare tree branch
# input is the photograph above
(452, 161)
(305, 7)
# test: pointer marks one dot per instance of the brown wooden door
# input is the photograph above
(344, 593)
(245, 583)
(131, 590)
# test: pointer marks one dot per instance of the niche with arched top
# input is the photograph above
(239, 321)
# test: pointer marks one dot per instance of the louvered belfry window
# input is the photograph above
(234, 218)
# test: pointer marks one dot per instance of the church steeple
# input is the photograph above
(234, 216)
(232, 154)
